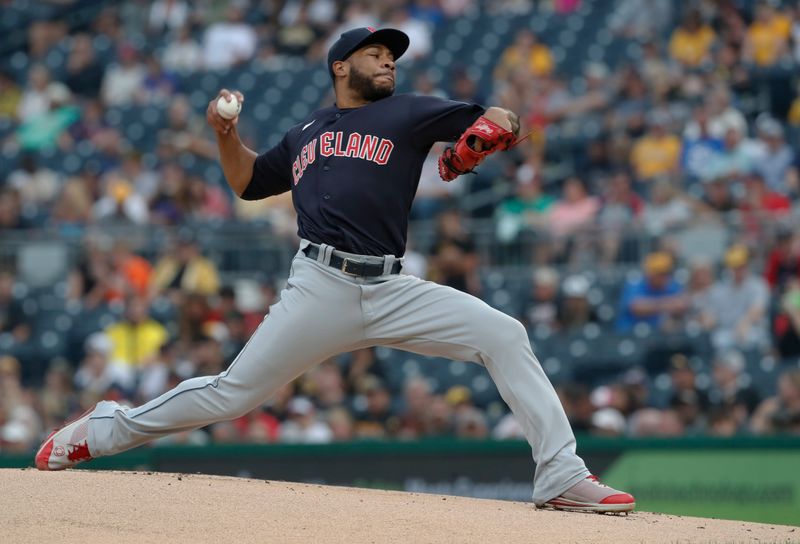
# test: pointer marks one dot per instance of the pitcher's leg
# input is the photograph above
(318, 316)
(430, 319)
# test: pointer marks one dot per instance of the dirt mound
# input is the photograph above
(142, 507)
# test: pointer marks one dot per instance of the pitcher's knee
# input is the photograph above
(236, 400)
(508, 333)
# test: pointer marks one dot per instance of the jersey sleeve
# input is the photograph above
(271, 173)
(438, 120)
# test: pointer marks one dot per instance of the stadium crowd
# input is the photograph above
(692, 133)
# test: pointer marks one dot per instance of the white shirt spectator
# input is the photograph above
(121, 83)
(729, 303)
(419, 34)
(168, 15)
(183, 55)
(227, 43)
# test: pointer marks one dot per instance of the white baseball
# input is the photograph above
(228, 110)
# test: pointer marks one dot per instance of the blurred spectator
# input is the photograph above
(325, 386)
(701, 151)
(732, 161)
(11, 217)
(541, 308)
(230, 42)
(608, 422)
(185, 132)
(773, 156)
(183, 54)
(508, 428)
(158, 85)
(667, 210)
(649, 422)
(98, 371)
(419, 32)
(57, 400)
(36, 185)
(124, 79)
(135, 272)
(464, 87)
(527, 209)
(136, 338)
(20, 425)
(84, 73)
(656, 153)
(783, 260)
(296, 34)
(689, 402)
(341, 423)
(738, 304)
(433, 194)
(13, 319)
(698, 291)
(786, 327)
(527, 53)
(640, 19)
(45, 130)
(781, 413)
(416, 399)
(575, 210)
(10, 96)
(656, 299)
(120, 204)
(303, 427)
(621, 210)
(730, 390)
(768, 36)
(471, 424)
(453, 259)
(373, 415)
(168, 15)
(575, 311)
(38, 94)
(759, 205)
(691, 42)
(577, 404)
(185, 269)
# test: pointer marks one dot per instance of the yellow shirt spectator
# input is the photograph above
(655, 154)
(768, 38)
(691, 47)
(187, 270)
(527, 52)
(137, 338)
(538, 60)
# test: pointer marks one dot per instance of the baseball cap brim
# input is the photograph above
(396, 40)
(350, 42)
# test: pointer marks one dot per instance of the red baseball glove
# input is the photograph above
(468, 153)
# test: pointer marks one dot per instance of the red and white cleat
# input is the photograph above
(67, 446)
(589, 495)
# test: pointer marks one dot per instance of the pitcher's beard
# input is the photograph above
(366, 87)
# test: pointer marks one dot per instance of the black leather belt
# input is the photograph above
(352, 266)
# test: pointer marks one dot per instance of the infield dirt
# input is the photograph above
(143, 507)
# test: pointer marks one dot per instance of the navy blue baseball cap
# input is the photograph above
(352, 40)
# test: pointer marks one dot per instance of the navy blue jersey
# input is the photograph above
(353, 172)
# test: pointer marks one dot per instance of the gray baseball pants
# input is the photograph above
(323, 312)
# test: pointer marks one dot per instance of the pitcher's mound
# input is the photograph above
(142, 507)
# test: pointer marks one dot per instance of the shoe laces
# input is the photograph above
(594, 479)
(80, 452)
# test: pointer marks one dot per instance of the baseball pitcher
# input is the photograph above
(353, 169)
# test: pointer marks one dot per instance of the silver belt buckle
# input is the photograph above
(345, 261)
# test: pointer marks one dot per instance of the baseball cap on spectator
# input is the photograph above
(457, 394)
(736, 257)
(352, 40)
(659, 262)
(576, 286)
